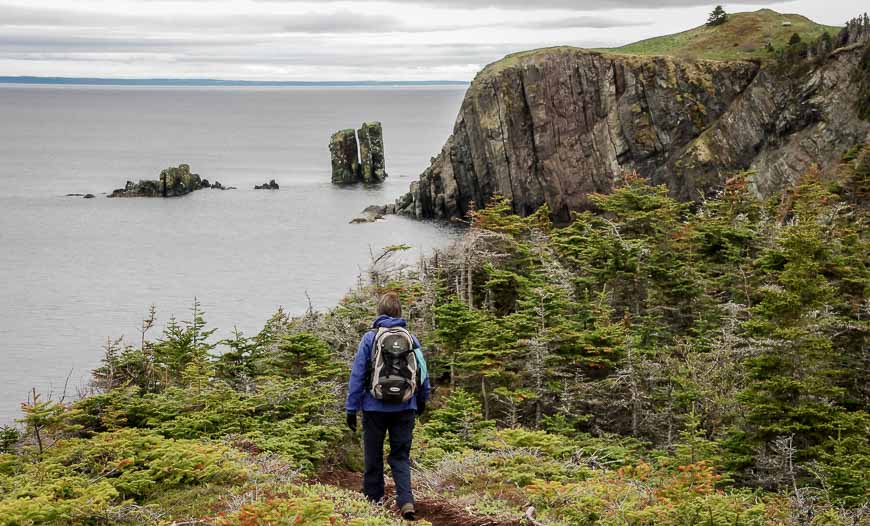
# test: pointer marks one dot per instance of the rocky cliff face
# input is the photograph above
(553, 126)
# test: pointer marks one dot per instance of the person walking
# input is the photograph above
(389, 383)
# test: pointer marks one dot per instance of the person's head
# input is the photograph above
(390, 305)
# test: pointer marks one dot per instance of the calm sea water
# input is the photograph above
(75, 271)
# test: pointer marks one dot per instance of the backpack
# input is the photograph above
(394, 374)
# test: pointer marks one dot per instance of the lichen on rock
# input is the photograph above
(371, 150)
(345, 160)
(173, 182)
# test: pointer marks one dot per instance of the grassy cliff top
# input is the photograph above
(743, 36)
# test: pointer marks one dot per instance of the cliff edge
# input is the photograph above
(551, 126)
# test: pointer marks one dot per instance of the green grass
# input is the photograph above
(743, 36)
(519, 57)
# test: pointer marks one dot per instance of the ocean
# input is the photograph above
(76, 272)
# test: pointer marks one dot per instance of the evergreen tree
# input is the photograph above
(183, 343)
(239, 365)
(455, 324)
(717, 17)
(302, 355)
(794, 371)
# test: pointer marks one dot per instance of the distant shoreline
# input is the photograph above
(88, 81)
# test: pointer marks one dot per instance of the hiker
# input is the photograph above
(389, 383)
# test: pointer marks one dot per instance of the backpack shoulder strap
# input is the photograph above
(375, 333)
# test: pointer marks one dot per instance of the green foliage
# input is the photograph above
(745, 36)
(44, 420)
(649, 363)
(78, 480)
(310, 505)
(312, 512)
(456, 425)
(9, 438)
(717, 17)
(796, 388)
(302, 355)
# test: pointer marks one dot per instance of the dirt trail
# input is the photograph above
(438, 511)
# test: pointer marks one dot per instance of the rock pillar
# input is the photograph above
(371, 150)
(345, 163)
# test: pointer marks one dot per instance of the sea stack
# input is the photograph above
(345, 163)
(371, 152)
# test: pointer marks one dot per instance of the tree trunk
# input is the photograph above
(469, 284)
(485, 399)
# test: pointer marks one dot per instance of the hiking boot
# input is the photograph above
(408, 512)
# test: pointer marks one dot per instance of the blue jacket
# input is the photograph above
(358, 395)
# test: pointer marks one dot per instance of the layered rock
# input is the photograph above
(371, 153)
(173, 182)
(345, 160)
(553, 126)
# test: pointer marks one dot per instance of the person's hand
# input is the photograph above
(421, 407)
(351, 420)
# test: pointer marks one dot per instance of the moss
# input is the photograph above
(646, 134)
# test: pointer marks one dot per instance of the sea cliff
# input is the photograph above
(553, 126)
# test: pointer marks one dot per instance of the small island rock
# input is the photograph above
(271, 185)
(370, 214)
(173, 182)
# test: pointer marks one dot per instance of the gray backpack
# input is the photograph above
(394, 372)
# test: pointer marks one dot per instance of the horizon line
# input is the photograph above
(108, 81)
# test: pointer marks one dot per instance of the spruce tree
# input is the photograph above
(794, 368)
(717, 17)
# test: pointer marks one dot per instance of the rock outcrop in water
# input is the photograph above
(350, 166)
(553, 126)
(271, 185)
(173, 182)
(371, 153)
(345, 158)
(216, 185)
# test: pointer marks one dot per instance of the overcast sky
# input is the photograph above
(325, 40)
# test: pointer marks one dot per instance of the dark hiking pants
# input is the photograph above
(400, 426)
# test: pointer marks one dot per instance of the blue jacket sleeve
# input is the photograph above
(425, 387)
(356, 387)
(424, 391)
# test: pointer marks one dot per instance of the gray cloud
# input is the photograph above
(595, 22)
(572, 5)
(329, 40)
(335, 22)
(320, 53)
(107, 44)
(343, 21)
